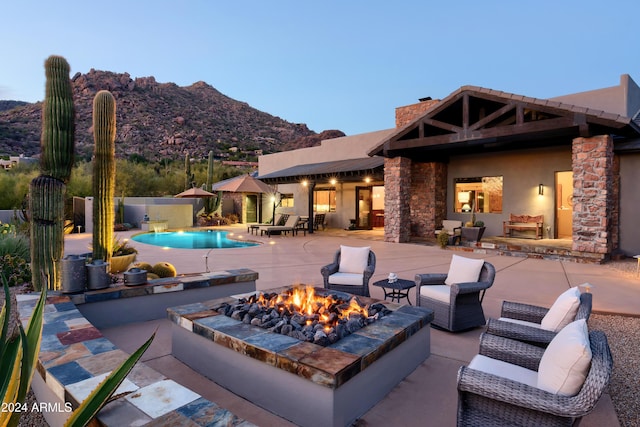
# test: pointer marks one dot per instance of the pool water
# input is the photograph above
(209, 239)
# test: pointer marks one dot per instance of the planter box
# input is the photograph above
(473, 234)
(120, 263)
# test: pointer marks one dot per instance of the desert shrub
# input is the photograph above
(443, 239)
(232, 218)
(15, 244)
(15, 269)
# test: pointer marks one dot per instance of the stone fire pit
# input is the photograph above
(306, 383)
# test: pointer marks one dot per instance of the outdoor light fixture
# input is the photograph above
(367, 180)
(304, 182)
(333, 181)
(540, 189)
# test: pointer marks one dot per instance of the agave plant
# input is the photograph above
(18, 354)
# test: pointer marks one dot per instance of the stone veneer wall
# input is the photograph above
(595, 188)
(408, 113)
(428, 197)
(397, 189)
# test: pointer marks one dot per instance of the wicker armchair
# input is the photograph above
(464, 308)
(489, 400)
(350, 283)
(533, 314)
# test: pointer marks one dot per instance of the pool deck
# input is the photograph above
(427, 396)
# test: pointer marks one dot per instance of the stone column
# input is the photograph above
(397, 197)
(594, 190)
(428, 197)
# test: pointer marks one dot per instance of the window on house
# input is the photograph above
(482, 194)
(286, 200)
(324, 200)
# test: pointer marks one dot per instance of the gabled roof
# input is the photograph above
(476, 118)
(345, 170)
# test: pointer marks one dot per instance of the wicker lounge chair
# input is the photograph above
(458, 305)
(528, 318)
(485, 399)
(339, 277)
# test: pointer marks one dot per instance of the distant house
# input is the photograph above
(574, 159)
(16, 160)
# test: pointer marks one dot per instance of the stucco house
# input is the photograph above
(574, 159)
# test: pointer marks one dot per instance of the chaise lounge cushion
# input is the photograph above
(463, 270)
(353, 259)
(566, 361)
(563, 310)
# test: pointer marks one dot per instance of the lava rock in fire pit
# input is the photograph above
(302, 314)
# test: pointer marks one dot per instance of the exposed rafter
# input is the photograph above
(473, 116)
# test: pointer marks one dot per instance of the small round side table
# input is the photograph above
(397, 290)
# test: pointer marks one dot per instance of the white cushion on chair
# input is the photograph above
(346, 279)
(520, 322)
(440, 293)
(504, 370)
(463, 270)
(563, 311)
(565, 363)
(353, 260)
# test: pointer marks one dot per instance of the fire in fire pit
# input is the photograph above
(305, 314)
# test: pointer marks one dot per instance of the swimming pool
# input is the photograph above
(209, 239)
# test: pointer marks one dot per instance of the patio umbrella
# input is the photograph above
(195, 192)
(243, 184)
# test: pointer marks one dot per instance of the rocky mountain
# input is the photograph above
(160, 120)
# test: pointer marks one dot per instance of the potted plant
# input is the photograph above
(122, 255)
(474, 231)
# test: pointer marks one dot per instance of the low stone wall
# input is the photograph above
(74, 356)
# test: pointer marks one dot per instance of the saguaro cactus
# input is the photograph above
(47, 191)
(211, 205)
(104, 173)
(188, 176)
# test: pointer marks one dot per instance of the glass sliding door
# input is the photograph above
(363, 208)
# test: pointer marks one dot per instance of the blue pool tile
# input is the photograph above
(190, 308)
(102, 296)
(69, 373)
(357, 344)
(208, 414)
(397, 320)
(197, 406)
(53, 328)
(51, 343)
(272, 342)
(61, 316)
(217, 322)
(242, 330)
(423, 313)
(65, 306)
(99, 345)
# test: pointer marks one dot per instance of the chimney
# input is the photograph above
(408, 113)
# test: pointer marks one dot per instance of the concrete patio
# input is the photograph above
(428, 396)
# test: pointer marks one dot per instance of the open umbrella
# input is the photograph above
(243, 184)
(195, 192)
